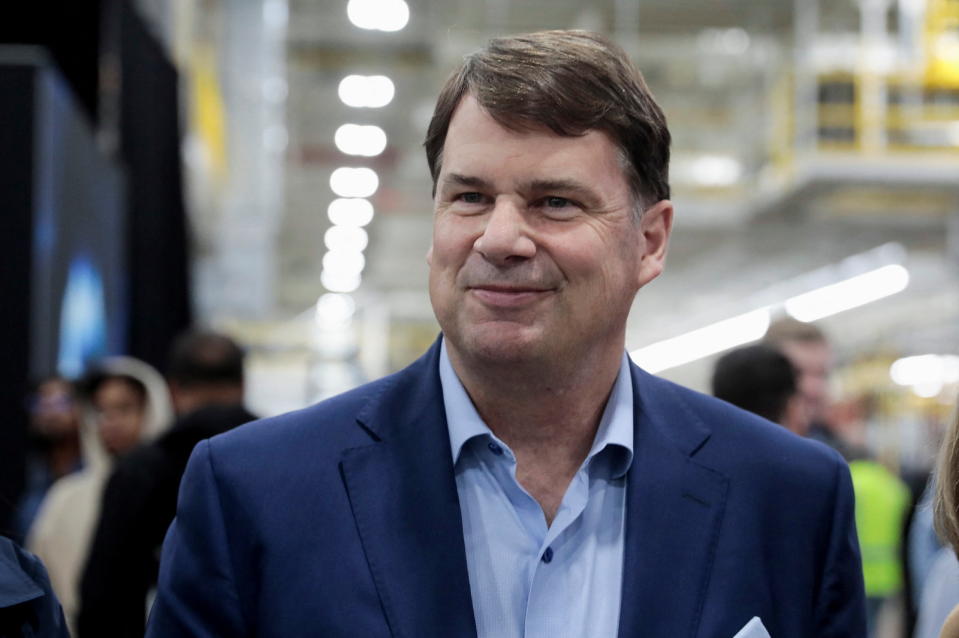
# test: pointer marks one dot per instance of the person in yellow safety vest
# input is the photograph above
(882, 500)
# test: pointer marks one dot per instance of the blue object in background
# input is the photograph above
(83, 318)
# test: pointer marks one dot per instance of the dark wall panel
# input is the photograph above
(150, 149)
(16, 85)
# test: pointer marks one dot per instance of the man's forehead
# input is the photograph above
(469, 107)
(476, 143)
(469, 113)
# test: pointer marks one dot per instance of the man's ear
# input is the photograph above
(655, 225)
(429, 256)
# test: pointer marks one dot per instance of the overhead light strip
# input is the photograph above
(703, 342)
(752, 326)
(849, 293)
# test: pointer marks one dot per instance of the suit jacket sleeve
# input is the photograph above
(38, 615)
(841, 605)
(197, 592)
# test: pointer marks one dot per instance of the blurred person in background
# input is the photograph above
(932, 573)
(54, 445)
(939, 606)
(760, 379)
(126, 401)
(921, 545)
(28, 605)
(882, 504)
(939, 595)
(523, 477)
(205, 375)
(811, 354)
(882, 498)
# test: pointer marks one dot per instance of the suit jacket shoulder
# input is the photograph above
(738, 443)
(313, 434)
(758, 522)
(349, 504)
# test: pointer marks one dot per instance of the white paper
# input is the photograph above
(753, 629)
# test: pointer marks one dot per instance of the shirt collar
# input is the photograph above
(463, 420)
(615, 426)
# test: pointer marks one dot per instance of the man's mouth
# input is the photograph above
(508, 296)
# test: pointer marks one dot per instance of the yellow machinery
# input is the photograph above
(919, 108)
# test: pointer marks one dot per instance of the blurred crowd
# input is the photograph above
(106, 454)
(911, 579)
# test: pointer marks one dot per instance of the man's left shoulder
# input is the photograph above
(741, 443)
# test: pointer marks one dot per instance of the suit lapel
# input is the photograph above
(673, 515)
(403, 494)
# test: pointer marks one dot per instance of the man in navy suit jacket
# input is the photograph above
(522, 478)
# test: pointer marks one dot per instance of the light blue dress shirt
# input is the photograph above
(527, 579)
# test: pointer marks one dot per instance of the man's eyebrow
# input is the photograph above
(456, 179)
(568, 186)
(560, 186)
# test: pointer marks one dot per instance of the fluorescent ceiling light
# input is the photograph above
(356, 139)
(927, 390)
(925, 373)
(340, 282)
(334, 309)
(395, 15)
(371, 91)
(847, 294)
(350, 212)
(380, 15)
(733, 41)
(346, 238)
(716, 170)
(344, 261)
(354, 182)
(703, 342)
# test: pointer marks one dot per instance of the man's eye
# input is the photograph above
(557, 202)
(471, 198)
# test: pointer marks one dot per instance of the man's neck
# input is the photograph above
(547, 415)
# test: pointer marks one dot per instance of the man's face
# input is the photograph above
(813, 362)
(536, 251)
(54, 415)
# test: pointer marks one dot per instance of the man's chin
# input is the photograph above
(501, 344)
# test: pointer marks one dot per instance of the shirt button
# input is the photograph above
(495, 449)
(548, 555)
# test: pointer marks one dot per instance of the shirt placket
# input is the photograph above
(550, 587)
(550, 548)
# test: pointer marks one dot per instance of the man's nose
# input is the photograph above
(506, 236)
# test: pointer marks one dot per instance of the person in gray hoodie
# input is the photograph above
(126, 403)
